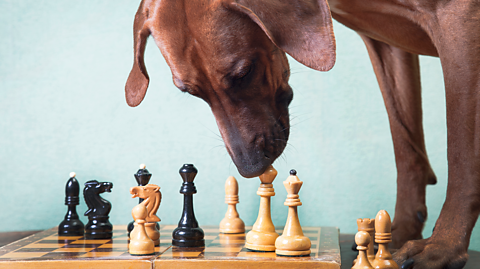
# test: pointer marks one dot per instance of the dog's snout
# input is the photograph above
(252, 166)
(254, 157)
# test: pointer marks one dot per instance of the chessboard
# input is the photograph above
(48, 249)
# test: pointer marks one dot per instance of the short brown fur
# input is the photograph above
(231, 53)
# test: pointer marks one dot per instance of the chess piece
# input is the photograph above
(231, 240)
(188, 234)
(142, 177)
(292, 242)
(98, 226)
(362, 239)
(262, 236)
(71, 224)
(383, 236)
(140, 243)
(231, 224)
(151, 196)
(368, 225)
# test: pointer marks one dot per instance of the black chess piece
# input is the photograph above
(188, 234)
(143, 177)
(98, 226)
(71, 224)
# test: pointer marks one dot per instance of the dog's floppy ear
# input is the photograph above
(301, 28)
(137, 82)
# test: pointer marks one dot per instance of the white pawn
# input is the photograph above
(140, 243)
(368, 225)
(231, 224)
(362, 239)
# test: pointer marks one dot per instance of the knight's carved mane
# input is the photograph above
(152, 202)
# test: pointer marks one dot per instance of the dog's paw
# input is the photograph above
(431, 254)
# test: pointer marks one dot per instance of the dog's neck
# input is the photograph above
(397, 18)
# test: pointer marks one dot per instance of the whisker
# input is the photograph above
(297, 123)
(290, 145)
(215, 147)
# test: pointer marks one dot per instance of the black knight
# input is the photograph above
(98, 226)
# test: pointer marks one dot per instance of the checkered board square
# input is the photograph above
(220, 251)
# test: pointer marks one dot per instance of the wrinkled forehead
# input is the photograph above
(217, 37)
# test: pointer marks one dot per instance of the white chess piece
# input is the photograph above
(292, 242)
(362, 239)
(232, 224)
(140, 243)
(262, 236)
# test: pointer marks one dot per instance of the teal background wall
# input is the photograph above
(63, 65)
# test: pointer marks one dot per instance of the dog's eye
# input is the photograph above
(243, 76)
(243, 72)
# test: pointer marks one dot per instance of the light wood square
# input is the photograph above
(186, 254)
(45, 245)
(73, 250)
(223, 249)
(102, 254)
(114, 245)
(91, 241)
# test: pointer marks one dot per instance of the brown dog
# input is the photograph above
(231, 53)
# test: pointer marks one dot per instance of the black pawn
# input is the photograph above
(188, 234)
(143, 177)
(98, 226)
(71, 225)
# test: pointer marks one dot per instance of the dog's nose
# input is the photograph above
(254, 160)
(253, 167)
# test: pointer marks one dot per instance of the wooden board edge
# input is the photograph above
(250, 264)
(80, 264)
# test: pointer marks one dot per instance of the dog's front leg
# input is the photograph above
(398, 76)
(456, 36)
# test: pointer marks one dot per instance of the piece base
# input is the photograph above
(232, 231)
(292, 253)
(188, 243)
(266, 248)
(141, 254)
(98, 235)
(70, 233)
(71, 227)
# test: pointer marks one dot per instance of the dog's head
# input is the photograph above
(231, 54)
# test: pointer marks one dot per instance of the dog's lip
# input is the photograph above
(249, 168)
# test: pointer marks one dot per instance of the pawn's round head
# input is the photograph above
(139, 212)
(362, 238)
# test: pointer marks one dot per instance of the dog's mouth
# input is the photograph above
(252, 159)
